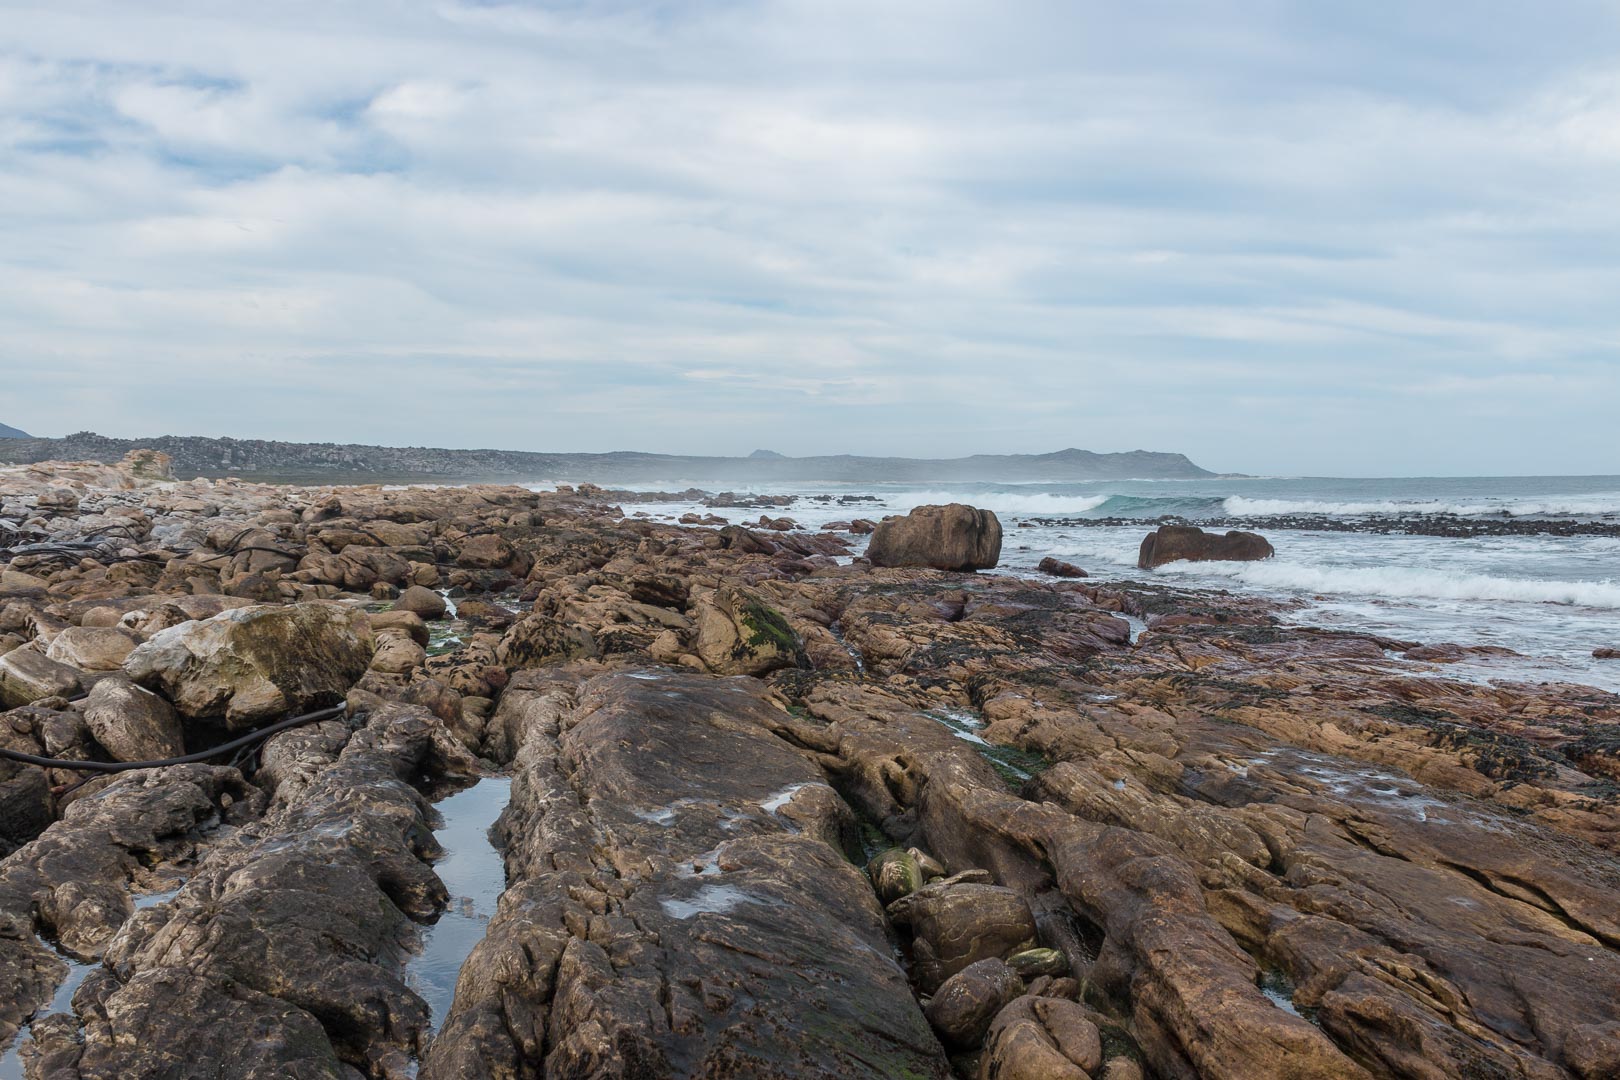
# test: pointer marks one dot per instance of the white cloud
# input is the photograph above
(916, 227)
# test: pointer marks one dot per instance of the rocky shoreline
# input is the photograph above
(775, 811)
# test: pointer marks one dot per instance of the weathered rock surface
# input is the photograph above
(950, 537)
(27, 675)
(738, 633)
(965, 1003)
(678, 906)
(1059, 568)
(254, 664)
(132, 723)
(1175, 543)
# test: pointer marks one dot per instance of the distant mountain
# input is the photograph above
(199, 456)
(13, 433)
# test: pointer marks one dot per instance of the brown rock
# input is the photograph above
(1042, 1038)
(964, 1005)
(132, 724)
(253, 664)
(1059, 568)
(955, 923)
(27, 675)
(424, 602)
(952, 537)
(1174, 543)
(90, 648)
(739, 634)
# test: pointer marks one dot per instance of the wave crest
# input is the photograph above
(1407, 583)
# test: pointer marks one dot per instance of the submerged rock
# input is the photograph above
(253, 664)
(951, 537)
(1175, 543)
(1059, 568)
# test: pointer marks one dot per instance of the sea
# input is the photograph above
(1551, 599)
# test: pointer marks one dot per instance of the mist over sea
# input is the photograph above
(1551, 598)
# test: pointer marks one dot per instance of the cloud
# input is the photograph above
(1271, 238)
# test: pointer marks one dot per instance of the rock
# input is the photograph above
(1042, 1038)
(397, 654)
(27, 675)
(1606, 654)
(1033, 963)
(424, 602)
(91, 648)
(862, 526)
(955, 923)
(952, 537)
(964, 1005)
(131, 723)
(739, 634)
(1174, 543)
(748, 945)
(407, 622)
(254, 664)
(1059, 568)
(486, 552)
(894, 874)
(541, 639)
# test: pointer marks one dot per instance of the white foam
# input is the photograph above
(1554, 506)
(1004, 502)
(1406, 583)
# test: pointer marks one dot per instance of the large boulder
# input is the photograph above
(953, 537)
(740, 634)
(253, 664)
(1176, 543)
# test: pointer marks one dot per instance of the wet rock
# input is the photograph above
(304, 921)
(964, 1005)
(1606, 654)
(1059, 568)
(132, 723)
(256, 663)
(27, 675)
(739, 634)
(744, 944)
(1173, 543)
(424, 602)
(951, 537)
(956, 922)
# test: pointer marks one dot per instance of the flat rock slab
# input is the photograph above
(680, 903)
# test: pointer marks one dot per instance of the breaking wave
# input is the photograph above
(1406, 583)
(1595, 506)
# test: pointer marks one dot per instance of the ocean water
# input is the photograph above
(1551, 598)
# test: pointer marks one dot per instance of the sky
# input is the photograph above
(1379, 238)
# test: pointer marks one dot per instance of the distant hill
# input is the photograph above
(199, 456)
(13, 433)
